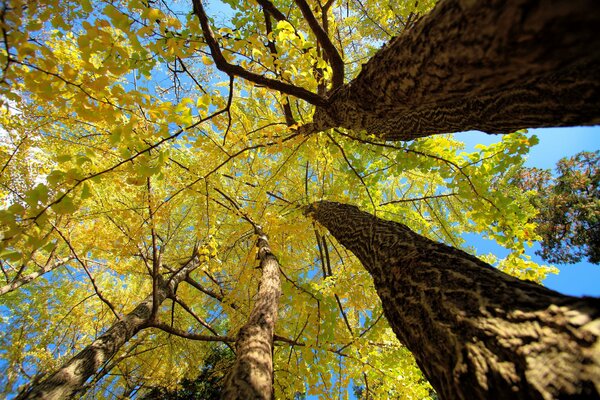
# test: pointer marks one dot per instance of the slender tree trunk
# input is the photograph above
(476, 332)
(495, 66)
(66, 381)
(251, 376)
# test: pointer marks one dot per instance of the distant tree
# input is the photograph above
(569, 208)
(206, 386)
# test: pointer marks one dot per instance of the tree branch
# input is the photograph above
(231, 69)
(192, 336)
(333, 56)
(272, 10)
(437, 196)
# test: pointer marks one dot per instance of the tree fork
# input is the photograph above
(495, 66)
(251, 376)
(70, 378)
(476, 332)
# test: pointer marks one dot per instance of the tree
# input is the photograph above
(537, 58)
(121, 139)
(569, 208)
(475, 331)
(251, 376)
(70, 378)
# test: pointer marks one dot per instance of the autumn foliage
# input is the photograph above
(128, 151)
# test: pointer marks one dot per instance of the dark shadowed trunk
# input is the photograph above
(495, 66)
(476, 332)
(251, 377)
(65, 382)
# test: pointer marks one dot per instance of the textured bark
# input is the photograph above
(476, 332)
(251, 376)
(65, 382)
(495, 66)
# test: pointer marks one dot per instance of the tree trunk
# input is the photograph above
(476, 332)
(251, 376)
(65, 382)
(495, 66)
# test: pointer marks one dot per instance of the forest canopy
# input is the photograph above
(143, 142)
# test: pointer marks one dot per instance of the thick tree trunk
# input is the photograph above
(251, 376)
(476, 332)
(495, 66)
(65, 382)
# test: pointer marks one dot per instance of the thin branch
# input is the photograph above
(322, 257)
(89, 274)
(327, 259)
(125, 161)
(355, 172)
(13, 154)
(217, 296)
(197, 318)
(455, 166)
(193, 336)
(339, 303)
(194, 315)
(414, 199)
(287, 109)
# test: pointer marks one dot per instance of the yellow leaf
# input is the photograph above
(207, 60)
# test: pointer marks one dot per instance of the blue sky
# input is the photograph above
(582, 279)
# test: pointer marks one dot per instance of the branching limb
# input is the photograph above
(333, 56)
(235, 70)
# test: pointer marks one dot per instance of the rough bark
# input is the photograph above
(66, 381)
(251, 376)
(476, 332)
(495, 66)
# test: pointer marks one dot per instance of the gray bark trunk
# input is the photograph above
(476, 332)
(65, 382)
(251, 376)
(495, 66)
